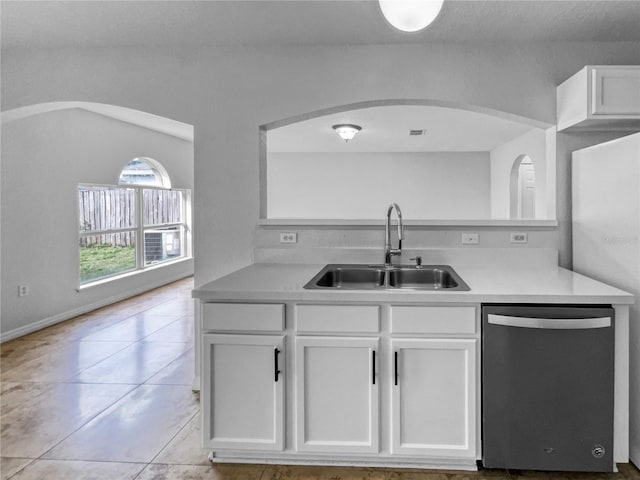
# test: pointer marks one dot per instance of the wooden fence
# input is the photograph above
(105, 208)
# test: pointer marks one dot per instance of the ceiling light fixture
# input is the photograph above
(347, 131)
(410, 15)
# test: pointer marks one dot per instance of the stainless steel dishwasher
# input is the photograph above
(547, 387)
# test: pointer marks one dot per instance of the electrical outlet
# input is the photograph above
(288, 237)
(23, 290)
(470, 239)
(520, 237)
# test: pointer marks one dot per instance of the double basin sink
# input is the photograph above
(379, 277)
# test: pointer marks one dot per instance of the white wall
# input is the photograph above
(227, 93)
(44, 158)
(534, 145)
(435, 185)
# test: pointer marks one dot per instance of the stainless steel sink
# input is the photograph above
(349, 276)
(426, 277)
(377, 277)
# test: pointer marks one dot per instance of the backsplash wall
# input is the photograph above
(310, 238)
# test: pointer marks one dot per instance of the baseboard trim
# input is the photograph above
(61, 317)
(380, 461)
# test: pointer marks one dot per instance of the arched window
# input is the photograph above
(144, 171)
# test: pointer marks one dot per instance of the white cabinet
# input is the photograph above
(336, 395)
(381, 384)
(434, 397)
(600, 98)
(243, 392)
(615, 91)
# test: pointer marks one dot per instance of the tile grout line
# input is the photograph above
(176, 434)
(168, 365)
(90, 419)
(166, 445)
(21, 468)
(79, 372)
(33, 460)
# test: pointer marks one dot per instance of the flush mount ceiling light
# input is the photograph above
(347, 131)
(410, 15)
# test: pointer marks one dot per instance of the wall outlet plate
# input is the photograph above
(288, 237)
(470, 239)
(519, 237)
(23, 290)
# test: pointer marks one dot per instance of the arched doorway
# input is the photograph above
(522, 189)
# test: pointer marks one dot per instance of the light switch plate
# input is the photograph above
(288, 237)
(470, 239)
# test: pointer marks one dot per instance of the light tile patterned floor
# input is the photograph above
(107, 396)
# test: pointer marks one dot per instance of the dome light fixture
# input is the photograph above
(347, 131)
(410, 15)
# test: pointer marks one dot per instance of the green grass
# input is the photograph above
(98, 261)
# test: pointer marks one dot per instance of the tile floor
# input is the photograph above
(107, 396)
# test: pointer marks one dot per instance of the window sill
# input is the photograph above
(133, 273)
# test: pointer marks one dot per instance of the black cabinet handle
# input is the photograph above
(395, 367)
(373, 367)
(275, 362)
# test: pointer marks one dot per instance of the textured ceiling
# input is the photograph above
(53, 24)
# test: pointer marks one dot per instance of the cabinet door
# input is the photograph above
(434, 397)
(616, 91)
(243, 392)
(337, 394)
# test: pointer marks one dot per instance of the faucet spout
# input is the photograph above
(388, 251)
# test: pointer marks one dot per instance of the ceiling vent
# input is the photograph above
(414, 133)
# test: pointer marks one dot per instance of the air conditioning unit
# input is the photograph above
(161, 245)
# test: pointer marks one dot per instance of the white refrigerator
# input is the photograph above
(606, 238)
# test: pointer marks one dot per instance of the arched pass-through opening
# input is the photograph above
(77, 146)
(393, 130)
(136, 117)
(412, 102)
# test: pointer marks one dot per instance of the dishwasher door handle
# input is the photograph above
(549, 323)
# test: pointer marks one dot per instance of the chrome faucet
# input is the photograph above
(388, 251)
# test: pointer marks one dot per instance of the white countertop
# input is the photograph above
(285, 282)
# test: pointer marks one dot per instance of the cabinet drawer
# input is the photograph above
(243, 316)
(433, 320)
(338, 318)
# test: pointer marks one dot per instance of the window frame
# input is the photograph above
(184, 227)
(160, 173)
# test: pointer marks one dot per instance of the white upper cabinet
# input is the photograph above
(600, 98)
